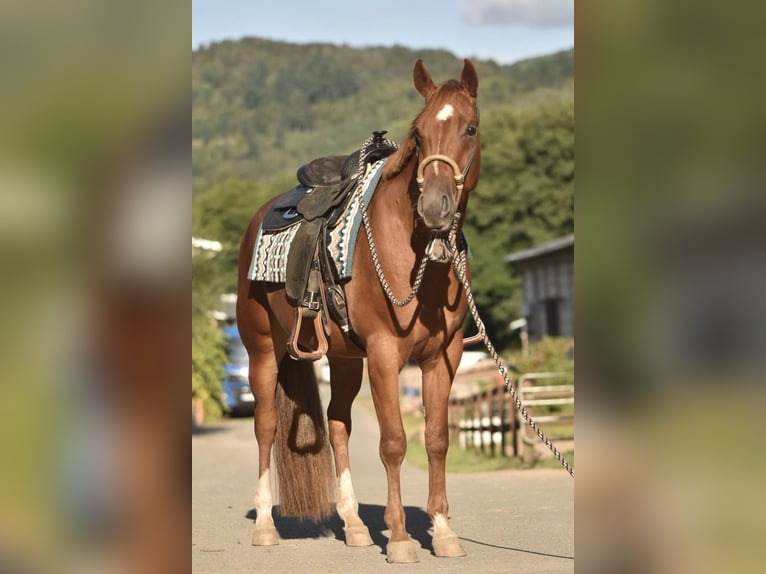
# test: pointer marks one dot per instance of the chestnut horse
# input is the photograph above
(420, 198)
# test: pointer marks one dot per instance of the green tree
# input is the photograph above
(208, 353)
(208, 358)
(525, 196)
(222, 214)
(260, 107)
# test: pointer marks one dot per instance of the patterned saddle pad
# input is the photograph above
(269, 261)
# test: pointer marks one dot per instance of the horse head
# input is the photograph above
(445, 138)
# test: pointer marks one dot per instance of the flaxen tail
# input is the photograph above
(305, 471)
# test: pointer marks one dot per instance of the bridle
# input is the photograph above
(459, 175)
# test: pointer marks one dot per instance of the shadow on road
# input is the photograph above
(207, 429)
(418, 525)
(417, 519)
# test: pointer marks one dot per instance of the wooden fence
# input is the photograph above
(490, 422)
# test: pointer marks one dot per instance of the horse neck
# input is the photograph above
(392, 212)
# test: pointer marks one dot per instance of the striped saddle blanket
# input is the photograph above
(269, 261)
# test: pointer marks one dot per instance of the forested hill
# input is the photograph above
(261, 108)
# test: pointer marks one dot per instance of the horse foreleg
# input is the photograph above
(437, 381)
(346, 380)
(383, 366)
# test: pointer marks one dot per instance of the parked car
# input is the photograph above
(239, 398)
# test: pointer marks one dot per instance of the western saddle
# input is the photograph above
(315, 205)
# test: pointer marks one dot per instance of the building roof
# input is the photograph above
(544, 249)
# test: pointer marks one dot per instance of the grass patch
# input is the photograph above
(557, 431)
(472, 460)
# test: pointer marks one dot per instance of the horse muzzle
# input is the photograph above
(437, 209)
(437, 204)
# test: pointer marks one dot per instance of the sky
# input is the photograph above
(502, 30)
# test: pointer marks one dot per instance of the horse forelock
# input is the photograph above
(451, 93)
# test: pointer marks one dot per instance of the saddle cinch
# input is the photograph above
(325, 186)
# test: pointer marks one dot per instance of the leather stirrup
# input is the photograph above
(293, 347)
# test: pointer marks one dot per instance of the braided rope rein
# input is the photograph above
(379, 270)
(459, 265)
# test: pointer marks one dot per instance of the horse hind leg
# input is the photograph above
(265, 532)
(263, 381)
(254, 329)
(346, 380)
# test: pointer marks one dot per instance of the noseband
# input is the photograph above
(438, 248)
(459, 175)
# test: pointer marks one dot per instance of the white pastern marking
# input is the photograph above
(263, 500)
(347, 503)
(347, 491)
(441, 526)
(445, 113)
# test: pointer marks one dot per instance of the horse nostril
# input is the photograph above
(445, 206)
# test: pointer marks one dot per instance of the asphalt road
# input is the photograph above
(509, 521)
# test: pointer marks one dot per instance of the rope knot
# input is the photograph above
(439, 250)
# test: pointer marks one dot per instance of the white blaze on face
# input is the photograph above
(445, 113)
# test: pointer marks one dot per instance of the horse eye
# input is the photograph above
(470, 131)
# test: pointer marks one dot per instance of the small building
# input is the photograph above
(547, 277)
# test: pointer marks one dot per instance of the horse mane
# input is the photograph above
(402, 156)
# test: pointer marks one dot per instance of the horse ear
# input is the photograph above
(423, 82)
(469, 78)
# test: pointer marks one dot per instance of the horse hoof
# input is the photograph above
(448, 547)
(401, 552)
(265, 536)
(357, 536)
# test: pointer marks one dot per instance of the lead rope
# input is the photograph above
(459, 264)
(378, 269)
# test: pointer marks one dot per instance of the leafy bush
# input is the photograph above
(548, 354)
(208, 358)
(208, 348)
